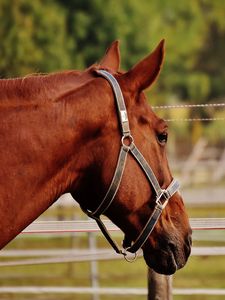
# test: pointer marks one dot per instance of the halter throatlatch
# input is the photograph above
(128, 146)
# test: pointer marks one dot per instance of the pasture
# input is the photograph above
(200, 272)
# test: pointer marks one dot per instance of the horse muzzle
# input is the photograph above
(168, 256)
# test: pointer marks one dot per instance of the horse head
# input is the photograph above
(140, 192)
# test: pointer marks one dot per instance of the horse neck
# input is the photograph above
(43, 155)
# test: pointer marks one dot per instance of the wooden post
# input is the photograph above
(159, 286)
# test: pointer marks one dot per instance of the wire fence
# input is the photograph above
(188, 106)
(194, 119)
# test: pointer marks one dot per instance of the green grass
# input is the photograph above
(208, 211)
(202, 272)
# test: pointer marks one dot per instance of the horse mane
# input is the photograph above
(41, 87)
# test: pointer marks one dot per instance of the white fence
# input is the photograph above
(72, 255)
(91, 226)
(103, 291)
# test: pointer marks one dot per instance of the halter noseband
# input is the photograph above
(128, 146)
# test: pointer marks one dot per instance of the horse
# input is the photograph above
(93, 134)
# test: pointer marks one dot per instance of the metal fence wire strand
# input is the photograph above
(189, 105)
(194, 119)
(185, 106)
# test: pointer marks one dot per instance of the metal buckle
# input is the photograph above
(123, 114)
(166, 195)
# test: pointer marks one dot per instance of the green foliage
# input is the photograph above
(44, 36)
(33, 37)
(50, 35)
(215, 132)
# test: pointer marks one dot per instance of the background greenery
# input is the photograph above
(51, 35)
(47, 35)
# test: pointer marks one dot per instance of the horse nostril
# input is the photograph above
(189, 240)
(172, 246)
(187, 246)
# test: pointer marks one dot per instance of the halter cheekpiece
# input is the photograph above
(128, 146)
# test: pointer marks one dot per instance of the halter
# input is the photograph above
(128, 146)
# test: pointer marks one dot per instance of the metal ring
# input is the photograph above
(129, 259)
(129, 140)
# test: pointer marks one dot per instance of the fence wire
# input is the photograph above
(194, 119)
(189, 106)
(185, 106)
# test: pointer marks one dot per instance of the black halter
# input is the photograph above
(128, 146)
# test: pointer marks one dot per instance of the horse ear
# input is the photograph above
(111, 59)
(144, 73)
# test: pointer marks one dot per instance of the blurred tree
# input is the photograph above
(57, 34)
(94, 24)
(33, 37)
(194, 31)
(48, 35)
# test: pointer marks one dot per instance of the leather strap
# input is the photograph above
(153, 219)
(162, 195)
(147, 230)
(147, 170)
(113, 188)
(121, 107)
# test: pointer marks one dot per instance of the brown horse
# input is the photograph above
(61, 133)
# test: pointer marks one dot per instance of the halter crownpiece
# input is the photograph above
(162, 195)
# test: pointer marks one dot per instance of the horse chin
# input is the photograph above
(164, 263)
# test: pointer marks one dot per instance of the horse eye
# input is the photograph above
(162, 138)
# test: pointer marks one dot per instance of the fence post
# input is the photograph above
(93, 265)
(159, 286)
